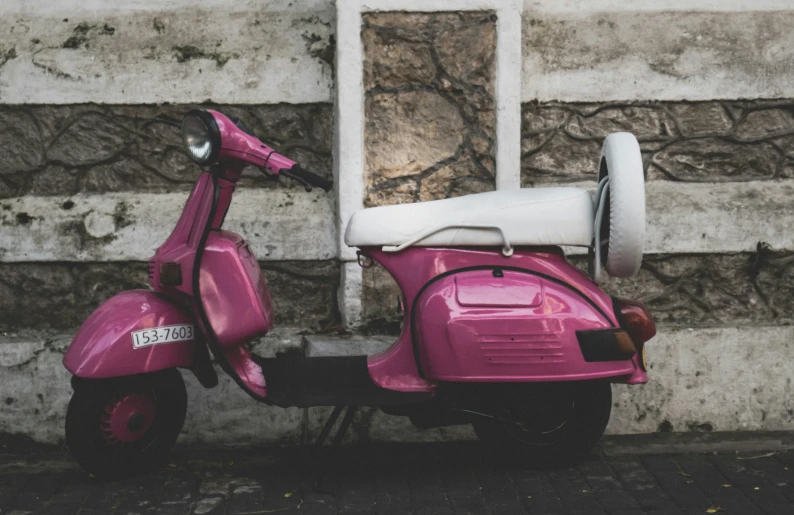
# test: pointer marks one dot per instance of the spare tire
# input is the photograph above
(623, 222)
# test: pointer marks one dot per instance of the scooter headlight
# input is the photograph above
(201, 137)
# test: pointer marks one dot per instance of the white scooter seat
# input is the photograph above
(524, 217)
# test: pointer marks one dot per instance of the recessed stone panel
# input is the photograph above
(429, 106)
(64, 150)
(63, 295)
(679, 289)
(680, 141)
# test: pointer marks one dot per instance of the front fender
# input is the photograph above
(103, 347)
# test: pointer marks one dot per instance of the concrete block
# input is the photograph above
(278, 224)
(604, 52)
(155, 52)
(353, 345)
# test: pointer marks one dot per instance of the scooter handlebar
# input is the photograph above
(306, 177)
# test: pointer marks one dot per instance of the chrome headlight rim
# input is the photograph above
(213, 135)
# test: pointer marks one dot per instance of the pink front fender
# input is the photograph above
(103, 347)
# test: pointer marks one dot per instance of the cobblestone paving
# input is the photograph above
(393, 479)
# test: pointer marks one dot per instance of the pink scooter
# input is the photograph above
(499, 330)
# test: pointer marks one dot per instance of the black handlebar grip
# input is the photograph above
(309, 178)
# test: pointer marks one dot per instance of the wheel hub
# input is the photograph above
(127, 419)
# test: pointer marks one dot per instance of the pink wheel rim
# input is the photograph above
(127, 419)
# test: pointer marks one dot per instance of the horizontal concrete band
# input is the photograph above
(682, 218)
(720, 379)
(280, 224)
(718, 217)
(629, 55)
(250, 55)
(66, 52)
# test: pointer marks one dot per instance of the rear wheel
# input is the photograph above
(122, 426)
(546, 425)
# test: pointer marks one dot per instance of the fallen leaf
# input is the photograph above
(288, 494)
(727, 485)
(767, 455)
(715, 509)
(682, 473)
(756, 488)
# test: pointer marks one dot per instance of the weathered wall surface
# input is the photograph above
(664, 54)
(92, 190)
(90, 184)
(62, 295)
(717, 141)
(91, 148)
(430, 119)
(152, 52)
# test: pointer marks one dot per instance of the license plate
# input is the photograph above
(158, 335)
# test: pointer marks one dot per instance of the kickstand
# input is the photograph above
(340, 434)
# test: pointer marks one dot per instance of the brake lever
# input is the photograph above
(306, 185)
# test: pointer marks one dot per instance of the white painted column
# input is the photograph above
(349, 148)
(508, 95)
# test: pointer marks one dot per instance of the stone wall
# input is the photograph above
(72, 151)
(680, 141)
(66, 150)
(430, 119)
(60, 296)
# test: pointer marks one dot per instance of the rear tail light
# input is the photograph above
(636, 320)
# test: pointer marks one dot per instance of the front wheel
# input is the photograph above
(122, 426)
(546, 425)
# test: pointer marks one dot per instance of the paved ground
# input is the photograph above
(626, 476)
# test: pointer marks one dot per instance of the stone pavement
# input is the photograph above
(625, 476)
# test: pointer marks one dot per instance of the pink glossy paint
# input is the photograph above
(233, 290)
(246, 368)
(103, 346)
(514, 328)
(240, 146)
(396, 367)
(138, 408)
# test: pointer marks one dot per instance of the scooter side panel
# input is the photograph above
(103, 346)
(396, 368)
(510, 326)
(233, 290)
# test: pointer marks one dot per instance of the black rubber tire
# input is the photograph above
(107, 460)
(584, 425)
